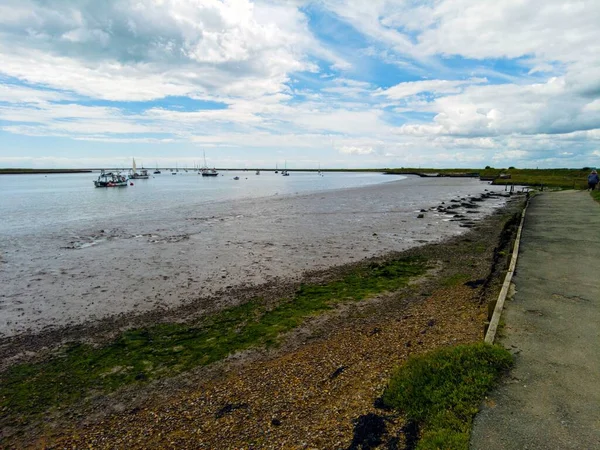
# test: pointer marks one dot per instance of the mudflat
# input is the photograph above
(317, 387)
(77, 274)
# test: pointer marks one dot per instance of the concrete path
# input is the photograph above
(552, 398)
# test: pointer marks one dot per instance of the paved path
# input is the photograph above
(552, 399)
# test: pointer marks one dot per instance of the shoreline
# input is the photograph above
(148, 265)
(440, 310)
(228, 293)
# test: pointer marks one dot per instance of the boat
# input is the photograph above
(156, 172)
(141, 175)
(258, 172)
(111, 179)
(236, 178)
(284, 172)
(206, 172)
(276, 170)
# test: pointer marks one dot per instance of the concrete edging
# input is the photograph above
(492, 328)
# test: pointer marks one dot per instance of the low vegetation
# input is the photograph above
(546, 178)
(140, 355)
(441, 391)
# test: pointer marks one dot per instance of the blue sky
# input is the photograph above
(335, 83)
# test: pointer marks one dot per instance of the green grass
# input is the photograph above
(548, 178)
(455, 280)
(596, 195)
(442, 391)
(140, 355)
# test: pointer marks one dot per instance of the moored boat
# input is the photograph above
(206, 172)
(111, 179)
(141, 175)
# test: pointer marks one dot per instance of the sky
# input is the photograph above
(307, 84)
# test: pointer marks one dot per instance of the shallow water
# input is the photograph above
(32, 202)
(136, 257)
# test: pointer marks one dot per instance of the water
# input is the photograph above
(47, 202)
(71, 253)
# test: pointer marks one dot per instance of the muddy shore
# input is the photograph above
(312, 391)
(79, 275)
(64, 285)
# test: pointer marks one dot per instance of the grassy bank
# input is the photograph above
(440, 392)
(548, 178)
(140, 355)
(596, 195)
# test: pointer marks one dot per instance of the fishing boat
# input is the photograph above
(141, 175)
(206, 172)
(110, 179)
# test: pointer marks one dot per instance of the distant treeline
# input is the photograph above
(38, 171)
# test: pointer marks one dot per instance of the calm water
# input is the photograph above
(34, 202)
(171, 239)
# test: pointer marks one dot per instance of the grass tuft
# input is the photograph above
(442, 391)
(141, 355)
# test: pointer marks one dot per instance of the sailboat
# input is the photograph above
(206, 172)
(276, 170)
(284, 172)
(143, 173)
(157, 171)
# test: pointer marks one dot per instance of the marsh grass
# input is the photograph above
(442, 391)
(548, 178)
(163, 350)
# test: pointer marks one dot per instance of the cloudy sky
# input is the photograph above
(335, 83)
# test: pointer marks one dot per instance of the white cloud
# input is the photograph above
(127, 50)
(554, 30)
(495, 81)
(435, 87)
(350, 150)
(11, 93)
